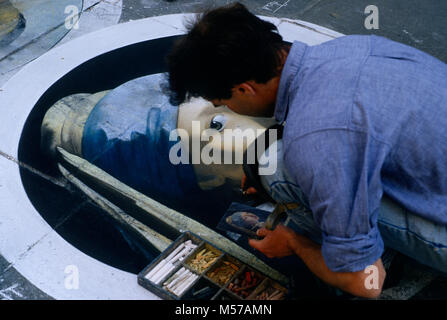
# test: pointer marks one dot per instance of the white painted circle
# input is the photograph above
(28, 242)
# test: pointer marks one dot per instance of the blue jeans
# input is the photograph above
(401, 230)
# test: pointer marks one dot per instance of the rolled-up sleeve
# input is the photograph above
(339, 171)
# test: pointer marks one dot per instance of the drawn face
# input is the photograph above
(219, 118)
(250, 218)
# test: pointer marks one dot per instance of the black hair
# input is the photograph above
(223, 47)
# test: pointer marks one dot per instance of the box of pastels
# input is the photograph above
(193, 269)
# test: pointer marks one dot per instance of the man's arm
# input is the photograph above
(284, 241)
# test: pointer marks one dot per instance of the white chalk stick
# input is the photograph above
(162, 272)
(182, 253)
(175, 251)
(156, 269)
(177, 278)
(179, 281)
(158, 281)
(186, 284)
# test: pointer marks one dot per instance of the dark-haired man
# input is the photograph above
(365, 121)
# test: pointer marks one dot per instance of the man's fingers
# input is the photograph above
(262, 232)
(259, 245)
(254, 243)
(251, 190)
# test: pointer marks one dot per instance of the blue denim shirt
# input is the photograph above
(364, 116)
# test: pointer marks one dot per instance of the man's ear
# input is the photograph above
(244, 89)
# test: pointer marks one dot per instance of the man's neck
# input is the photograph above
(283, 54)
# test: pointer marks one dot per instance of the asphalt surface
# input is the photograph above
(420, 24)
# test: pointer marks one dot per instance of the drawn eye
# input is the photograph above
(218, 122)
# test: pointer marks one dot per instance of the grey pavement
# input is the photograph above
(13, 286)
(420, 24)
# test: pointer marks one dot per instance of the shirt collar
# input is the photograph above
(288, 74)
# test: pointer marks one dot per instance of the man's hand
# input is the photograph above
(249, 190)
(276, 243)
(284, 241)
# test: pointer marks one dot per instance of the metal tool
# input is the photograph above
(278, 214)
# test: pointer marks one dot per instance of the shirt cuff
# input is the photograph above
(352, 254)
